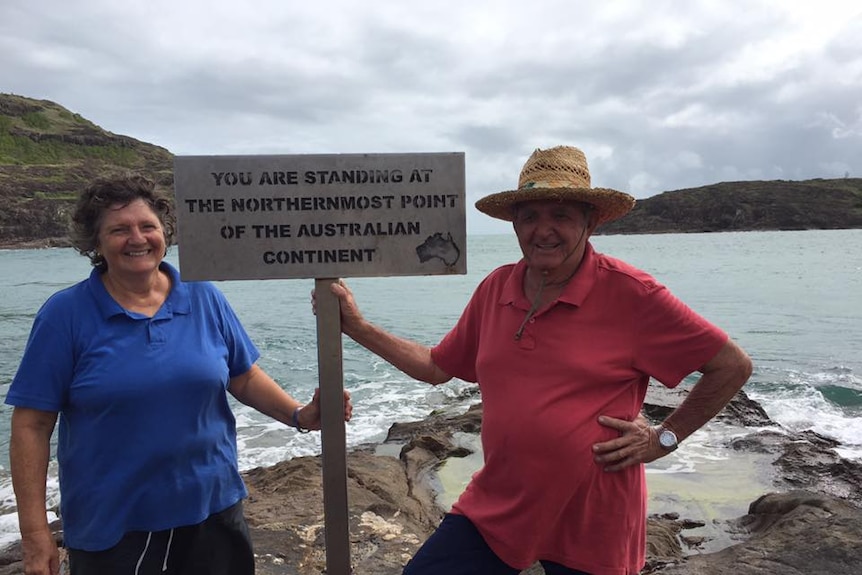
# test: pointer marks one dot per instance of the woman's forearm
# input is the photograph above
(29, 451)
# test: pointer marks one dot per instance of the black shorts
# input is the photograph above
(220, 545)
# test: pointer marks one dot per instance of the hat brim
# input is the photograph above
(609, 204)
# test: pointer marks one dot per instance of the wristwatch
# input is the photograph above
(667, 439)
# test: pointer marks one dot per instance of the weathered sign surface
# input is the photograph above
(320, 216)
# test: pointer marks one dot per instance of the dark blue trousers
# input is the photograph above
(457, 548)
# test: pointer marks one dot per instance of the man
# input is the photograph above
(563, 345)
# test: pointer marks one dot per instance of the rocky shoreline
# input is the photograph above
(17, 244)
(808, 519)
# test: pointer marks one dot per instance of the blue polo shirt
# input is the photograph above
(146, 440)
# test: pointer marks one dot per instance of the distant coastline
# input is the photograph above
(47, 153)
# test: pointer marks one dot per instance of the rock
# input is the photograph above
(797, 532)
(808, 461)
(810, 524)
(670, 549)
(389, 518)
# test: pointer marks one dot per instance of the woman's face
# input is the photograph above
(552, 235)
(131, 238)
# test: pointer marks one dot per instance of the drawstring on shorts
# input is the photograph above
(144, 552)
(168, 551)
(147, 546)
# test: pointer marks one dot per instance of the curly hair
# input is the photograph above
(112, 191)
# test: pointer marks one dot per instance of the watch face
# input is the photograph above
(667, 438)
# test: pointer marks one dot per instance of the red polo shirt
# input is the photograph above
(539, 494)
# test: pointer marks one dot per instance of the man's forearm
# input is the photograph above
(722, 379)
(411, 357)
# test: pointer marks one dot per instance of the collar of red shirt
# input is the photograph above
(575, 292)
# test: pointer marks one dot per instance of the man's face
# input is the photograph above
(553, 234)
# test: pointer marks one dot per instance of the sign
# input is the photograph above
(320, 216)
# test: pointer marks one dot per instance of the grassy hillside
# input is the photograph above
(47, 154)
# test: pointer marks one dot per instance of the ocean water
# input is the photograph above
(793, 300)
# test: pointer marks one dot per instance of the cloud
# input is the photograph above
(660, 95)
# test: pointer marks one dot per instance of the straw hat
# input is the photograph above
(561, 174)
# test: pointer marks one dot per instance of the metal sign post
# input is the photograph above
(330, 370)
(322, 217)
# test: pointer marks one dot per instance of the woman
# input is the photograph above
(136, 363)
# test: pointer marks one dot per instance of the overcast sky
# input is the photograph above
(661, 95)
